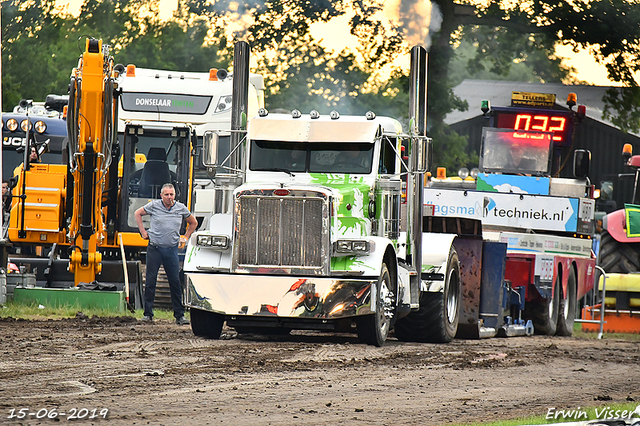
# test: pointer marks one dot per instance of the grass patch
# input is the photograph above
(34, 311)
(577, 332)
(576, 414)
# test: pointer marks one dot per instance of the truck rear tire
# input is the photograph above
(206, 324)
(374, 329)
(567, 312)
(616, 257)
(436, 321)
(545, 312)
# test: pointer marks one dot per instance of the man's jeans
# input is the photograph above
(168, 257)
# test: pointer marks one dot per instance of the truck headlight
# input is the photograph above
(214, 241)
(358, 247)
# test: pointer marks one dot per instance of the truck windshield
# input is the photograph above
(313, 157)
(515, 151)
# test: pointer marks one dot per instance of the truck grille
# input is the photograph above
(280, 232)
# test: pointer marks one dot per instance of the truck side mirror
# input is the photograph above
(209, 153)
(581, 163)
(421, 155)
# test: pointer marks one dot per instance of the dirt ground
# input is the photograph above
(161, 374)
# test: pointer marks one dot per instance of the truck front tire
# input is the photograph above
(374, 329)
(206, 324)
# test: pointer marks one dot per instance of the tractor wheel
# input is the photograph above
(545, 312)
(616, 257)
(374, 329)
(206, 324)
(567, 313)
(437, 318)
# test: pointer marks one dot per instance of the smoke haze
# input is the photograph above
(419, 19)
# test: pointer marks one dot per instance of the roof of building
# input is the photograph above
(499, 94)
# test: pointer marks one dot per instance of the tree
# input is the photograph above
(37, 53)
(300, 73)
(41, 45)
(608, 28)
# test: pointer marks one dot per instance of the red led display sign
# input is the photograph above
(558, 122)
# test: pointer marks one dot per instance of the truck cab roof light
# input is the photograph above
(213, 74)
(485, 106)
(572, 100)
(131, 70)
(222, 74)
(262, 112)
(627, 152)
(296, 113)
(370, 115)
(314, 114)
(441, 173)
(334, 115)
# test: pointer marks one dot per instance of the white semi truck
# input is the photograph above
(312, 234)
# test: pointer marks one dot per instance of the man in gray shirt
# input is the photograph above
(164, 238)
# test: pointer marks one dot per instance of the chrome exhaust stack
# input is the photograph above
(418, 158)
(240, 103)
(226, 183)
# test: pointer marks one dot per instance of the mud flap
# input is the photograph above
(482, 314)
(55, 274)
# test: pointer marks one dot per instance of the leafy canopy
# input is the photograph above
(41, 44)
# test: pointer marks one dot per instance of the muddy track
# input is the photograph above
(161, 374)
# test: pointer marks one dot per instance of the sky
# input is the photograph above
(335, 35)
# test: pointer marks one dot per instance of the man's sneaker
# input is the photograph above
(146, 318)
(182, 321)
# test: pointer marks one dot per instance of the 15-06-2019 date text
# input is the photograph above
(56, 413)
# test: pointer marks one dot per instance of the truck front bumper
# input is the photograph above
(280, 296)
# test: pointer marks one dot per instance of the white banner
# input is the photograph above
(514, 210)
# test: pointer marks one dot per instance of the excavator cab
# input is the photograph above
(167, 159)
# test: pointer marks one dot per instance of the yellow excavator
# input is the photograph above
(71, 210)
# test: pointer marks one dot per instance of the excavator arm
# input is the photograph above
(92, 136)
